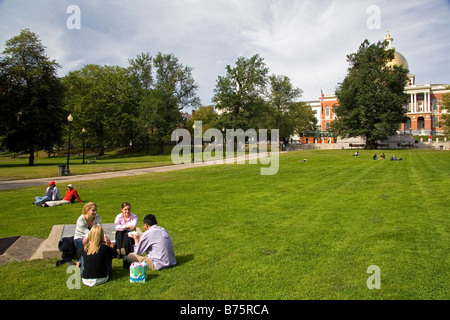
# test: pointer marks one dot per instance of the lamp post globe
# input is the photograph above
(69, 119)
(83, 131)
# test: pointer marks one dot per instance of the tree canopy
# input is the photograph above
(249, 97)
(371, 97)
(445, 121)
(240, 93)
(32, 104)
(166, 88)
(102, 102)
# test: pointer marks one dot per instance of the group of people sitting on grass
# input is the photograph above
(96, 251)
(52, 197)
(383, 157)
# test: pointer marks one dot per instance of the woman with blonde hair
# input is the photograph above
(97, 258)
(85, 222)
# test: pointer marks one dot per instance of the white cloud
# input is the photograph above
(306, 40)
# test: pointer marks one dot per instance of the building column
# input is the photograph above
(411, 102)
(415, 102)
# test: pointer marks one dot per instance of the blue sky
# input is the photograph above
(305, 40)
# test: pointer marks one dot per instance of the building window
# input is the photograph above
(420, 123)
(435, 105)
(420, 107)
(327, 112)
(435, 121)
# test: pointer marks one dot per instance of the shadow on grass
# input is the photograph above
(184, 259)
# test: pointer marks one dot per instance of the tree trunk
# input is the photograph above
(31, 158)
(371, 144)
(161, 146)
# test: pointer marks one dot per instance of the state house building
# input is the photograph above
(424, 107)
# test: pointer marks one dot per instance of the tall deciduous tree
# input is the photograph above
(31, 105)
(167, 88)
(240, 94)
(101, 101)
(371, 97)
(287, 113)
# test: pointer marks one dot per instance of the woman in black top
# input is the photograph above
(97, 259)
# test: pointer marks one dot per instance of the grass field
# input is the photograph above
(308, 232)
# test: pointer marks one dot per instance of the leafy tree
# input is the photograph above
(167, 87)
(445, 120)
(32, 104)
(207, 115)
(286, 113)
(101, 101)
(240, 93)
(371, 97)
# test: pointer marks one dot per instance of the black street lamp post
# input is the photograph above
(193, 144)
(70, 119)
(83, 131)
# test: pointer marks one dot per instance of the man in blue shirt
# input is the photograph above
(156, 243)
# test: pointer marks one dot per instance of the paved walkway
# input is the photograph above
(15, 184)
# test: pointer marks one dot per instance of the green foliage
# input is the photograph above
(165, 88)
(240, 93)
(32, 105)
(445, 121)
(101, 101)
(371, 97)
(286, 113)
(207, 115)
(251, 98)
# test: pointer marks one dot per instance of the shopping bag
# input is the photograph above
(138, 272)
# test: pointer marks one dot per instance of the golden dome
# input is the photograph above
(399, 60)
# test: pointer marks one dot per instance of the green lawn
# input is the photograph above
(308, 232)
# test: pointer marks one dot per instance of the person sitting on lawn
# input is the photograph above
(96, 265)
(125, 222)
(70, 197)
(85, 222)
(51, 194)
(156, 243)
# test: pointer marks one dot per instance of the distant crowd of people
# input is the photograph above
(382, 156)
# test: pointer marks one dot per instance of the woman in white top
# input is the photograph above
(85, 222)
(125, 222)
